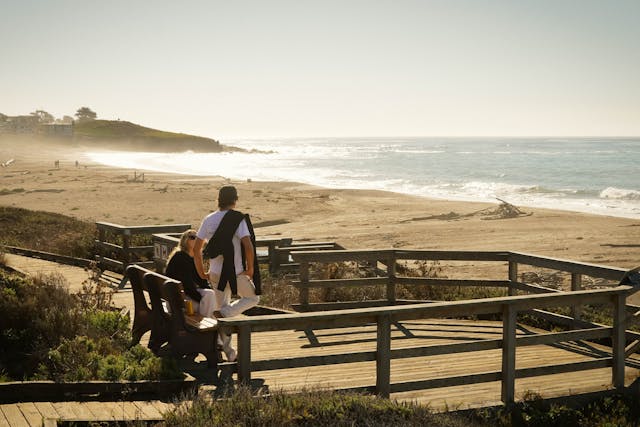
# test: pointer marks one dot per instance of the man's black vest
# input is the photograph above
(222, 244)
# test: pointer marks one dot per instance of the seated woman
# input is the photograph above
(180, 266)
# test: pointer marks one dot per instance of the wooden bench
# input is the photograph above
(186, 335)
(142, 317)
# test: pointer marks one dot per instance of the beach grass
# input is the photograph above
(46, 231)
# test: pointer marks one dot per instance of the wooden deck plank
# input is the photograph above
(162, 407)
(82, 411)
(101, 410)
(120, 411)
(148, 410)
(47, 410)
(14, 415)
(130, 410)
(3, 419)
(31, 413)
(65, 410)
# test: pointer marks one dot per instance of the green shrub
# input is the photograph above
(83, 359)
(533, 411)
(307, 408)
(36, 314)
(75, 359)
(617, 410)
(47, 333)
(111, 324)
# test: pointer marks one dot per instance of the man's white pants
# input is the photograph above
(207, 304)
(223, 304)
(246, 291)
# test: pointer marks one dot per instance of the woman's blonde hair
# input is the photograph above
(182, 245)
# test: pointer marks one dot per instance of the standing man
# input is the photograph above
(231, 260)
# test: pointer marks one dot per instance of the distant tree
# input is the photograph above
(65, 120)
(85, 114)
(3, 117)
(43, 116)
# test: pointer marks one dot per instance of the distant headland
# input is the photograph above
(87, 130)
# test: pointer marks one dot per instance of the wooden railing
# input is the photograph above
(383, 317)
(125, 251)
(277, 256)
(389, 258)
(537, 300)
(511, 260)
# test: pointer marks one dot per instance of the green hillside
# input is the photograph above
(129, 135)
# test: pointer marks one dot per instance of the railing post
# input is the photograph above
(618, 340)
(513, 276)
(126, 244)
(304, 282)
(244, 354)
(391, 283)
(383, 356)
(509, 319)
(101, 234)
(576, 285)
(273, 262)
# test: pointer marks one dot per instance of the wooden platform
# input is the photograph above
(430, 332)
(406, 334)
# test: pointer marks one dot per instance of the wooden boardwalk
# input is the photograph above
(74, 276)
(405, 334)
(38, 413)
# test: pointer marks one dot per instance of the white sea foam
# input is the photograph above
(620, 193)
(531, 173)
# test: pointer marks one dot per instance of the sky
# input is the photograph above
(298, 68)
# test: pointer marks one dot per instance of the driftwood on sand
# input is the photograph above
(503, 211)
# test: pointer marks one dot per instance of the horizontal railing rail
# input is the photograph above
(593, 270)
(390, 278)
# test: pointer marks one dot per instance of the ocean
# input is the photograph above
(592, 175)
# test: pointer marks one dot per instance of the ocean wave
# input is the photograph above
(416, 151)
(455, 170)
(619, 194)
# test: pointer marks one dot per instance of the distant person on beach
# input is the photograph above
(233, 265)
(181, 266)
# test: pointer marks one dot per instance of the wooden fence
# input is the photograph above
(277, 255)
(123, 252)
(536, 302)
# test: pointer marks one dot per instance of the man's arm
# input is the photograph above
(248, 254)
(197, 258)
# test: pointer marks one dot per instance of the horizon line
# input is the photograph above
(434, 136)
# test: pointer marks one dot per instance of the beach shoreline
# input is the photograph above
(356, 219)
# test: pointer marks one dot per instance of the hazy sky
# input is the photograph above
(329, 68)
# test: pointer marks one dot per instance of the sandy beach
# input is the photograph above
(356, 219)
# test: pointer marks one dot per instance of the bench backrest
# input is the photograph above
(163, 288)
(136, 277)
(171, 292)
